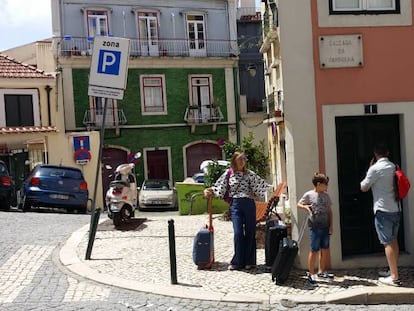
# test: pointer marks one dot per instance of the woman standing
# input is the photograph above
(243, 185)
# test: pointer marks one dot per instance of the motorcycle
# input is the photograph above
(121, 197)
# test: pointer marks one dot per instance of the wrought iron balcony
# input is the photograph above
(113, 118)
(205, 114)
(69, 46)
(272, 106)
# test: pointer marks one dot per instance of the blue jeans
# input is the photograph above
(319, 238)
(387, 225)
(243, 216)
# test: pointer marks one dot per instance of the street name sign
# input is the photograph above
(109, 67)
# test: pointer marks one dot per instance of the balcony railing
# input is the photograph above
(273, 106)
(82, 46)
(204, 114)
(113, 118)
(249, 14)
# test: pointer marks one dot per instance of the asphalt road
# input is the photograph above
(32, 278)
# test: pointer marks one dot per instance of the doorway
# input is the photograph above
(157, 163)
(355, 138)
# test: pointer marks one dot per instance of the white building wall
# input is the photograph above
(299, 107)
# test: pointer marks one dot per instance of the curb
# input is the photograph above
(371, 295)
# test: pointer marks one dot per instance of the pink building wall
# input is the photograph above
(387, 74)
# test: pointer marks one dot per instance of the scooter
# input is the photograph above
(121, 197)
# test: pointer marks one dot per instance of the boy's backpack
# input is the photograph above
(401, 184)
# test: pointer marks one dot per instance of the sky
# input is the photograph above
(24, 21)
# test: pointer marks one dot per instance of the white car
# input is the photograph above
(157, 193)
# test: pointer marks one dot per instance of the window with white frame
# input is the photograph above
(97, 111)
(364, 6)
(19, 108)
(97, 22)
(153, 99)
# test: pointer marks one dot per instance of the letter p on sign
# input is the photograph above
(109, 62)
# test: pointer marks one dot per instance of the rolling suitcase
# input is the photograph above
(203, 246)
(288, 249)
(274, 233)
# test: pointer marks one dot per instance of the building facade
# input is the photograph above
(345, 70)
(181, 96)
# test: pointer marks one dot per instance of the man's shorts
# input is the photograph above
(387, 225)
(319, 238)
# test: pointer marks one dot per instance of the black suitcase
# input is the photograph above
(203, 246)
(288, 249)
(274, 233)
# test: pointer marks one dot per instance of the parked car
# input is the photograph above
(6, 187)
(55, 186)
(199, 178)
(157, 193)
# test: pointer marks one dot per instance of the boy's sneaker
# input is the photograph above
(384, 273)
(311, 280)
(389, 281)
(326, 276)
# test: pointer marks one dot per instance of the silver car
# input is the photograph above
(157, 193)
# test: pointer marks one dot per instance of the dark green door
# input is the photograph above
(355, 137)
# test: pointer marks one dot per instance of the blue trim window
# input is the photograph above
(356, 7)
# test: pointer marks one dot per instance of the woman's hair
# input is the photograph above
(233, 163)
(319, 178)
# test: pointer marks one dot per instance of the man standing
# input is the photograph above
(380, 178)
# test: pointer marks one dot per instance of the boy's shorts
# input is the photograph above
(319, 238)
(387, 225)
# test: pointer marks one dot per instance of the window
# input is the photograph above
(148, 33)
(201, 98)
(97, 21)
(97, 110)
(196, 35)
(19, 108)
(364, 6)
(153, 95)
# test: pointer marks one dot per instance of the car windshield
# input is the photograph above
(157, 185)
(59, 172)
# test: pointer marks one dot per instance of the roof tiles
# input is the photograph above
(28, 129)
(11, 68)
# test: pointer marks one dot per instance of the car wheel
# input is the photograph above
(5, 205)
(117, 219)
(25, 205)
(81, 210)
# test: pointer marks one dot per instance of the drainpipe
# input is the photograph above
(237, 103)
(48, 88)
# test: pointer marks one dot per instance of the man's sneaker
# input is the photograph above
(325, 275)
(389, 281)
(384, 273)
(311, 280)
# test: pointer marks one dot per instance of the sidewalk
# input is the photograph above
(138, 259)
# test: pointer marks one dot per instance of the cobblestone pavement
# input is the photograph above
(32, 277)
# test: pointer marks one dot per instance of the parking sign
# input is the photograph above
(109, 65)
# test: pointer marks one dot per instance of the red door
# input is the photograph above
(111, 158)
(157, 162)
(197, 153)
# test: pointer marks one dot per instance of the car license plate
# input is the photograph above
(59, 196)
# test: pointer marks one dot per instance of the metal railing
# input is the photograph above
(82, 46)
(204, 114)
(250, 13)
(113, 117)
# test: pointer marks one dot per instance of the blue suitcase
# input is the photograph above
(203, 246)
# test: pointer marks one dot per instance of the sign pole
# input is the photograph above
(107, 79)
(94, 222)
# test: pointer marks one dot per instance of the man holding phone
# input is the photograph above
(380, 178)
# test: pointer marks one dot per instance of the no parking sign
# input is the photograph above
(81, 147)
